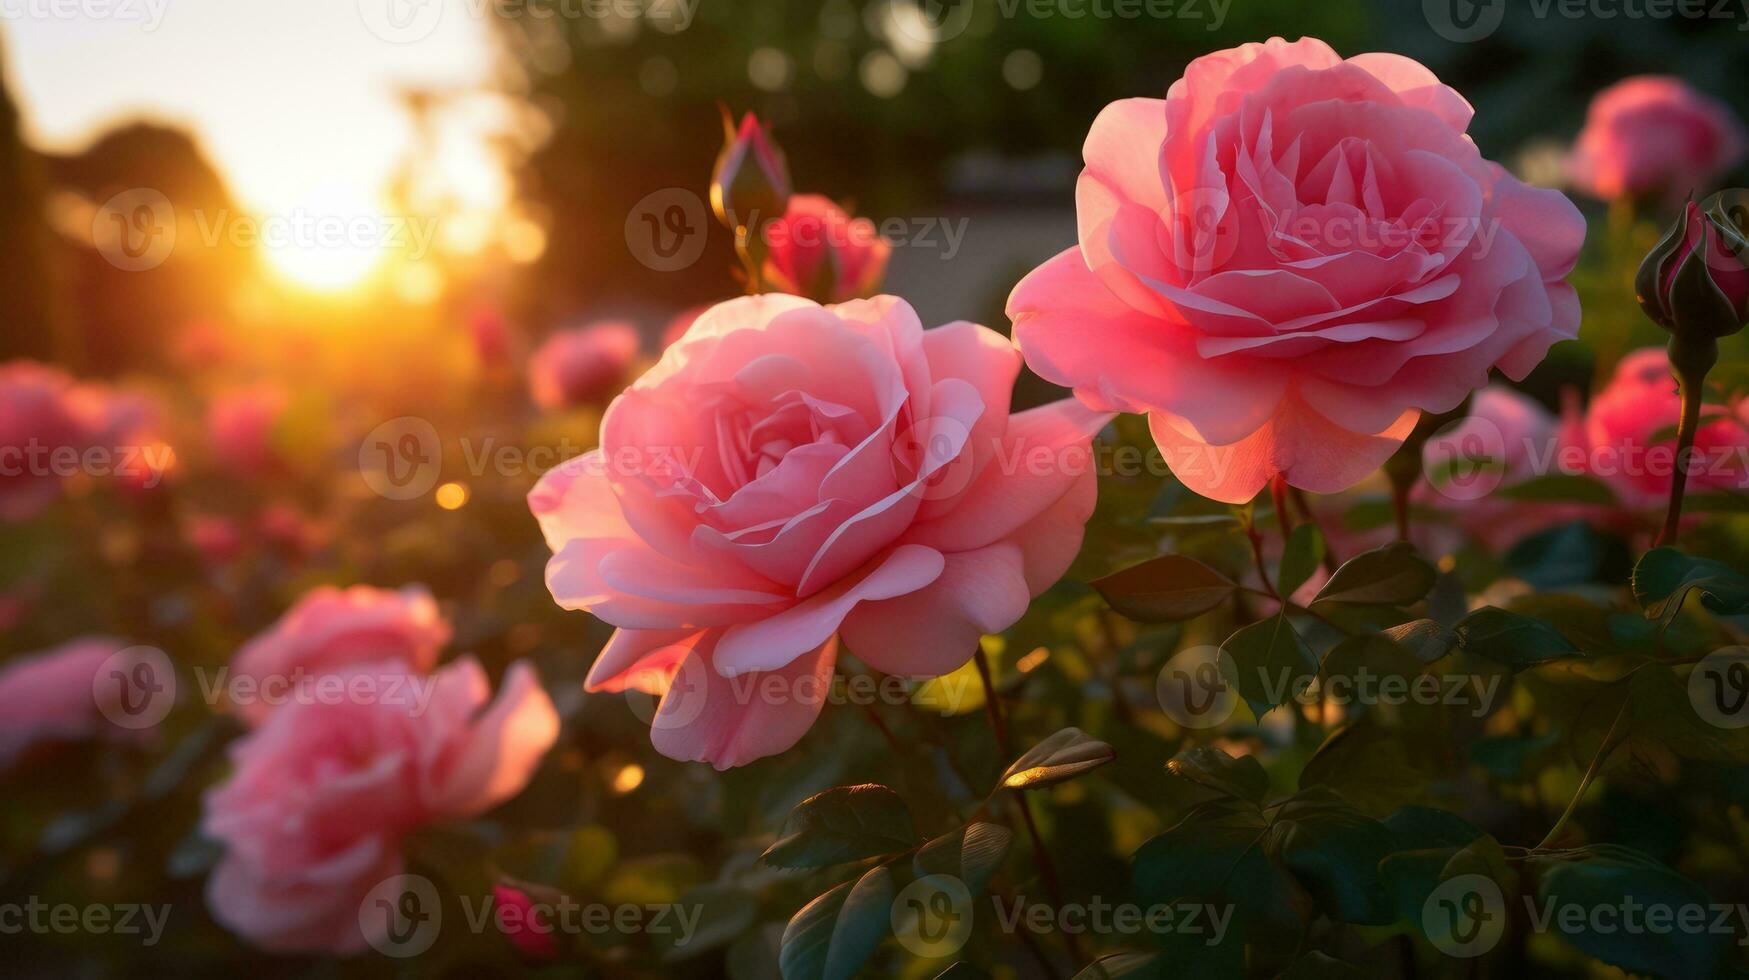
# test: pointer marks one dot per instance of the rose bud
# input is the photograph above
(750, 183)
(818, 251)
(1695, 283)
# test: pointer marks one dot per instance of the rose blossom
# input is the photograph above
(789, 474)
(1507, 439)
(322, 794)
(1288, 259)
(820, 252)
(50, 697)
(682, 322)
(330, 629)
(240, 426)
(582, 365)
(1654, 135)
(1615, 441)
(44, 416)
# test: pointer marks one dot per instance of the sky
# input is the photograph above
(294, 100)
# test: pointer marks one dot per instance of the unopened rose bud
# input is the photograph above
(750, 183)
(1695, 283)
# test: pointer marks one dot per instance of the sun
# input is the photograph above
(332, 239)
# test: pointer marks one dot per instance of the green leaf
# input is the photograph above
(1125, 966)
(1300, 559)
(972, 854)
(1568, 488)
(1664, 578)
(1424, 826)
(1369, 766)
(1606, 876)
(1510, 756)
(962, 971)
(1168, 589)
(1059, 758)
(1423, 639)
(1571, 554)
(1210, 768)
(1335, 852)
(834, 935)
(1321, 966)
(1266, 660)
(1510, 639)
(1390, 576)
(1219, 861)
(845, 823)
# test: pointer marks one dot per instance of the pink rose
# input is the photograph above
(331, 629)
(241, 427)
(1508, 439)
(820, 252)
(1618, 443)
(1288, 259)
(582, 365)
(1654, 135)
(789, 474)
(44, 416)
(323, 793)
(51, 697)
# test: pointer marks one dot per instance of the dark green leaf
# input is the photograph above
(1242, 778)
(1510, 639)
(1301, 558)
(1369, 766)
(1390, 576)
(1606, 876)
(845, 823)
(1061, 757)
(1268, 662)
(834, 935)
(1335, 853)
(1320, 966)
(1167, 589)
(725, 912)
(1126, 966)
(972, 854)
(1664, 578)
(1570, 488)
(1571, 554)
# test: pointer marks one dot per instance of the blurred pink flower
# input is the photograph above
(331, 629)
(820, 252)
(522, 924)
(1508, 439)
(682, 322)
(322, 794)
(1289, 258)
(51, 697)
(1654, 135)
(47, 421)
(218, 538)
(582, 365)
(240, 428)
(788, 474)
(1618, 443)
(490, 333)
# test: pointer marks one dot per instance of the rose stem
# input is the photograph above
(1610, 742)
(1685, 430)
(999, 726)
